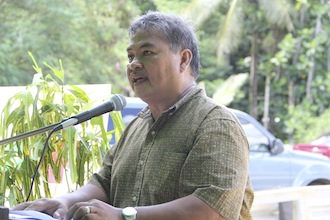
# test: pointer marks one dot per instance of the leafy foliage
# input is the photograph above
(291, 59)
(87, 34)
(77, 152)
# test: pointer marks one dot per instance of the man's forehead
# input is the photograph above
(144, 39)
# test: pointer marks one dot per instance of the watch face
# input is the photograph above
(129, 211)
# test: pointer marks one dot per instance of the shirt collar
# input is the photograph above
(188, 94)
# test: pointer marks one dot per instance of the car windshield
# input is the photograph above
(257, 140)
(324, 140)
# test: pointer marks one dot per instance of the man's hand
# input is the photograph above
(93, 209)
(52, 207)
(59, 207)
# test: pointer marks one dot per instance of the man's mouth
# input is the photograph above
(137, 80)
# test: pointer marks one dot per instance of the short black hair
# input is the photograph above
(174, 29)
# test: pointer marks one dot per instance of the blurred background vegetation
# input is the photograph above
(271, 57)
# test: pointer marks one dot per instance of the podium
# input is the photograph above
(4, 213)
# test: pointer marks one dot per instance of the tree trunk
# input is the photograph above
(266, 118)
(311, 71)
(253, 87)
(291, 95)
(329, 60)
(310, 77)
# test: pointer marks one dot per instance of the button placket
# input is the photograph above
(141, 167)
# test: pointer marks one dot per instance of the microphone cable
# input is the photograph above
(40, 160)
(116, 103)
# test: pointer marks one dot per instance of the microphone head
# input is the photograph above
(119, 102)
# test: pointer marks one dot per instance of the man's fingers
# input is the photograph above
(21, 206)
(39, 205)
(59, 214)
(79, 210)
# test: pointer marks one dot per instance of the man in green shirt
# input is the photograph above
(183, 157)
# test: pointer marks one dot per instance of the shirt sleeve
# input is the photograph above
(216, 170)
(102, 179)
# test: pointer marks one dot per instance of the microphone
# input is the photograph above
(116, 103)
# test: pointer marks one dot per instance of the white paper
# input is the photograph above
(28, 215)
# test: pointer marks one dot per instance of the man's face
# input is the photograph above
(153, 69)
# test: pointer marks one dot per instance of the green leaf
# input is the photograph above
(79, 93)
(36, 67)
(58, 73)
(72, 153)
(119, 125)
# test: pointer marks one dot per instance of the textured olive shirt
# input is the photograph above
(196, 147)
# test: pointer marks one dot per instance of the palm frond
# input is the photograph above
(227, 91)
(229, 34)
(199, 10)
(278, 12)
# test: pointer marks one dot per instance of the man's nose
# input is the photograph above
(135, 64)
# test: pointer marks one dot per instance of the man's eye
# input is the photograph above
(146, 52)
(130, 58)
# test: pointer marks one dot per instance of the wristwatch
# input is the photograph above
(129, 213)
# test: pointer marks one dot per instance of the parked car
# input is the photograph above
(323, 139)
(272, 165)
(321, 145)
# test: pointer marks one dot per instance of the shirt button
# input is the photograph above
(153, 132)
(141, 162)
(134, 198)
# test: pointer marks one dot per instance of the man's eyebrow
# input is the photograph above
(147, 44)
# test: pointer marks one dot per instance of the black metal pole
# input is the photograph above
(29, 134)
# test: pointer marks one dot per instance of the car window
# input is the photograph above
(324, 140)
(257, 140)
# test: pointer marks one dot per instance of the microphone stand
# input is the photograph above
(29, 134)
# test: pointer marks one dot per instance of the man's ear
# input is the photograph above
(186, 56)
